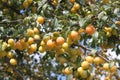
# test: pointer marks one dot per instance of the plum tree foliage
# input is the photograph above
(68, 37)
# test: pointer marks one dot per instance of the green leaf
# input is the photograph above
(111, 64)
(104, 18)
(0, 47)
(95, 35)
(93, 51)
(88, 73)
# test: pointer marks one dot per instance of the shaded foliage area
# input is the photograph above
(41, 37)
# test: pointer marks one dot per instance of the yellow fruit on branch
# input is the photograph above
(60, 40)
(96, 60)
(74, 35)
(55, 2)
(73, 10)
(40, 20)
(11, 42)
(42, 43)
(68, 70)
(30, 32)
(89, 59)
(9, 55)
(18, 45)
(82, 72)
(107, 29)
(30, 40)
(33, 47)
(50, 44)
(37, 37)
(25, 4)
(85, 65)
(13, 61)
(41, 49)
(65, 46)
(36, 31)
(76, 6)
(106, 66)
(90, 29)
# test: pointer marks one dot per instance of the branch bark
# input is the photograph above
(9, 22)
(98, 54)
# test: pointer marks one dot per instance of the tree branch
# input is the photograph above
(9, 22)
(12, 8)
(85, 48)
(16, 70)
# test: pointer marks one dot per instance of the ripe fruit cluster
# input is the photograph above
(109, 31)
(75, 7)
(27, 3)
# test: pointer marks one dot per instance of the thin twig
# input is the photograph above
(84, 47)
(8, 22)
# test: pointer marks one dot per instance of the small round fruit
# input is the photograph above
(40, 20)
(73, 10)
(42, 43)
(76, 6)
(11, 42)
(30, 32)
(13, 61)
(36, 37)
(50, 44)
(41, 49)
(33, 47)
(96, 60)
(65, 46)
(60, 40)
(106, 66)
(55, 3)
(89, 59)
(18, 45)
(68, 70)
(30, 40)
(25, 4)
(107, 29)
(80, 69)
(74, 35)
(90, 29)
(9, 55)
(82, 72)
(36, 31)
(85, 65)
